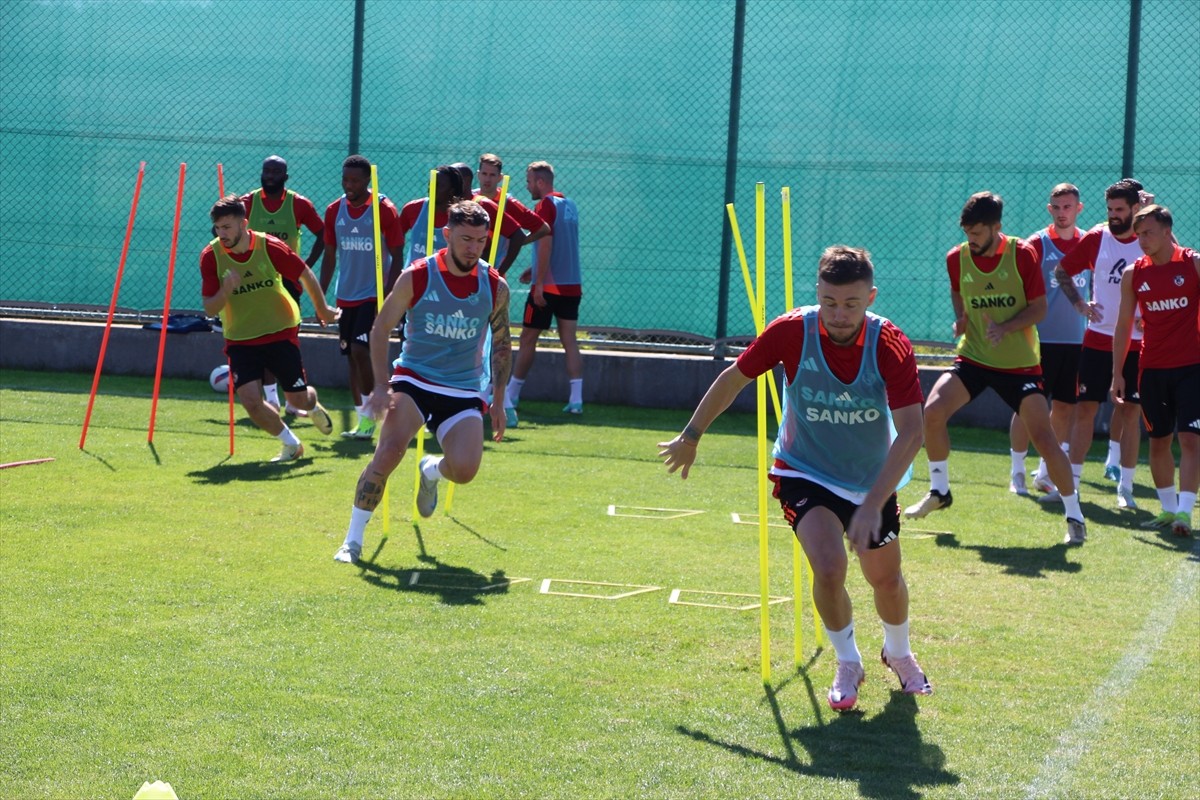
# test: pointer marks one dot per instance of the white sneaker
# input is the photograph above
(320, 419)
(1043, 484)
(1076, 532)
(348, 554)
(1016, 484)
(933, 501)
(427, 494)
(290, 452)
(1125, 499)
(1051, 496)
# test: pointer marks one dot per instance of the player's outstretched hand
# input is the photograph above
(678, 454)
(328, 315)
(377, 403)
(864, 528)
(499, 421)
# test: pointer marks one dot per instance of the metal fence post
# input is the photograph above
(731, 150)
(360, 11)
(1131, 87)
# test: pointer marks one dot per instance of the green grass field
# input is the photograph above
(172, 613)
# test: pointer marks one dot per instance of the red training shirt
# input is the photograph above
(1169, 296)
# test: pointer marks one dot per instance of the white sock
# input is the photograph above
(287, 437)
(1127, 477)
(1187, 501)
(432, 468)
(358, 523)
(844, 644)
(513, 394)
(1114, 454)
(895, 640)
(939, 476)
(1018, 461)
(1071, 509)
(1076, 473)
(271, 392)
(1041, 474)
(1168, 498)
(576, 391)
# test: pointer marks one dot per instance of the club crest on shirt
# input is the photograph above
(1179, 280)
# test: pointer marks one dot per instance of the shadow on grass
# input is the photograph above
(883, 754)
(455, 586)
(90, 454)
(224, 472)
(1028, 562)
(1163, 539)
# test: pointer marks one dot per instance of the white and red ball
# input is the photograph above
(218, 379)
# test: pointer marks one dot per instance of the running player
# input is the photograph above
(350, 248)
(1105, 250)
(998, 296)
(240, 274)
(1165, 285)
(1060, 334)
(280, 212)
(451, 299)
(851, 376)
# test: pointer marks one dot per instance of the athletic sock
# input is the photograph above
(1077, 474)
(1018, 461)
(1071, 509)
(844, 644)
(362, 412)
(513, 394)
(1041, 474)
(1168, 498)
(1127, 477)
(576, 391)
(358, 522)
(939, 476)
(1114, 454)
(431, 468)
(287, 437)
(895, 640)
(271, 393)
(1187, 501)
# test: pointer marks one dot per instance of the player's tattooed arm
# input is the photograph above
(501, 342)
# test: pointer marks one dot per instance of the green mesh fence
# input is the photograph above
(882, 117)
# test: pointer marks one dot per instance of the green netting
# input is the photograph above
(882, 117)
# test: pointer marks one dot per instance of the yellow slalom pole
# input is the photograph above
(499, 216)
(387, 517)
(430, 211)
(760, 385)
(749, 282)
(797, 554)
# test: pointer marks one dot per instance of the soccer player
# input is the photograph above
(1165, 285)
(556, 291)
(350, 250)
(414, 215)
(1105, 250)
(451, 298)
(850, 377)
(1060, 334)
(241, 273)
(999, 297)
(491, 170)
(278, 211)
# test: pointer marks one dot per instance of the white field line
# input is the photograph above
(1074, 742)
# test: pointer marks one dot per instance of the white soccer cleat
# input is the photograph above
(320, 419)
(427, 493)
(1016, 484)
(1051, 496)
(1125, 499)
(290, 452)
(1043, 484)
(348, 554)
(1076, 532)
(934, 501)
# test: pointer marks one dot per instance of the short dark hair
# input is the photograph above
(228, 206)
(1160, 214)
(543, 169)
(981, 208)
(454, 176)
(1126, 189)
(466, 178)
(468, 212)
(358, 162)
(841, 264)
(493, 159)
(1065, 189)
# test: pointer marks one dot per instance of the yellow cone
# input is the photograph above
(159, 790)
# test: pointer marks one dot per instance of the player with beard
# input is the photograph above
(999, 296)
(490, 173)
(451, 300)
(277, 210)
(1165, 285)
(1106, 250)
(851, 377)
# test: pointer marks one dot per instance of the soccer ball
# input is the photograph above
(218, 379)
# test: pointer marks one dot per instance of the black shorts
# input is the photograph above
(355, 326)
(1095, 375)
(1013, 387)
(440, 412)
(1170, 399)
(562, 306)
(1060, 371)
(283, 359)
(798, 496)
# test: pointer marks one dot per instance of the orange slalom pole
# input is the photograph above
(220, 181)
(112, 305)
(162, 336)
